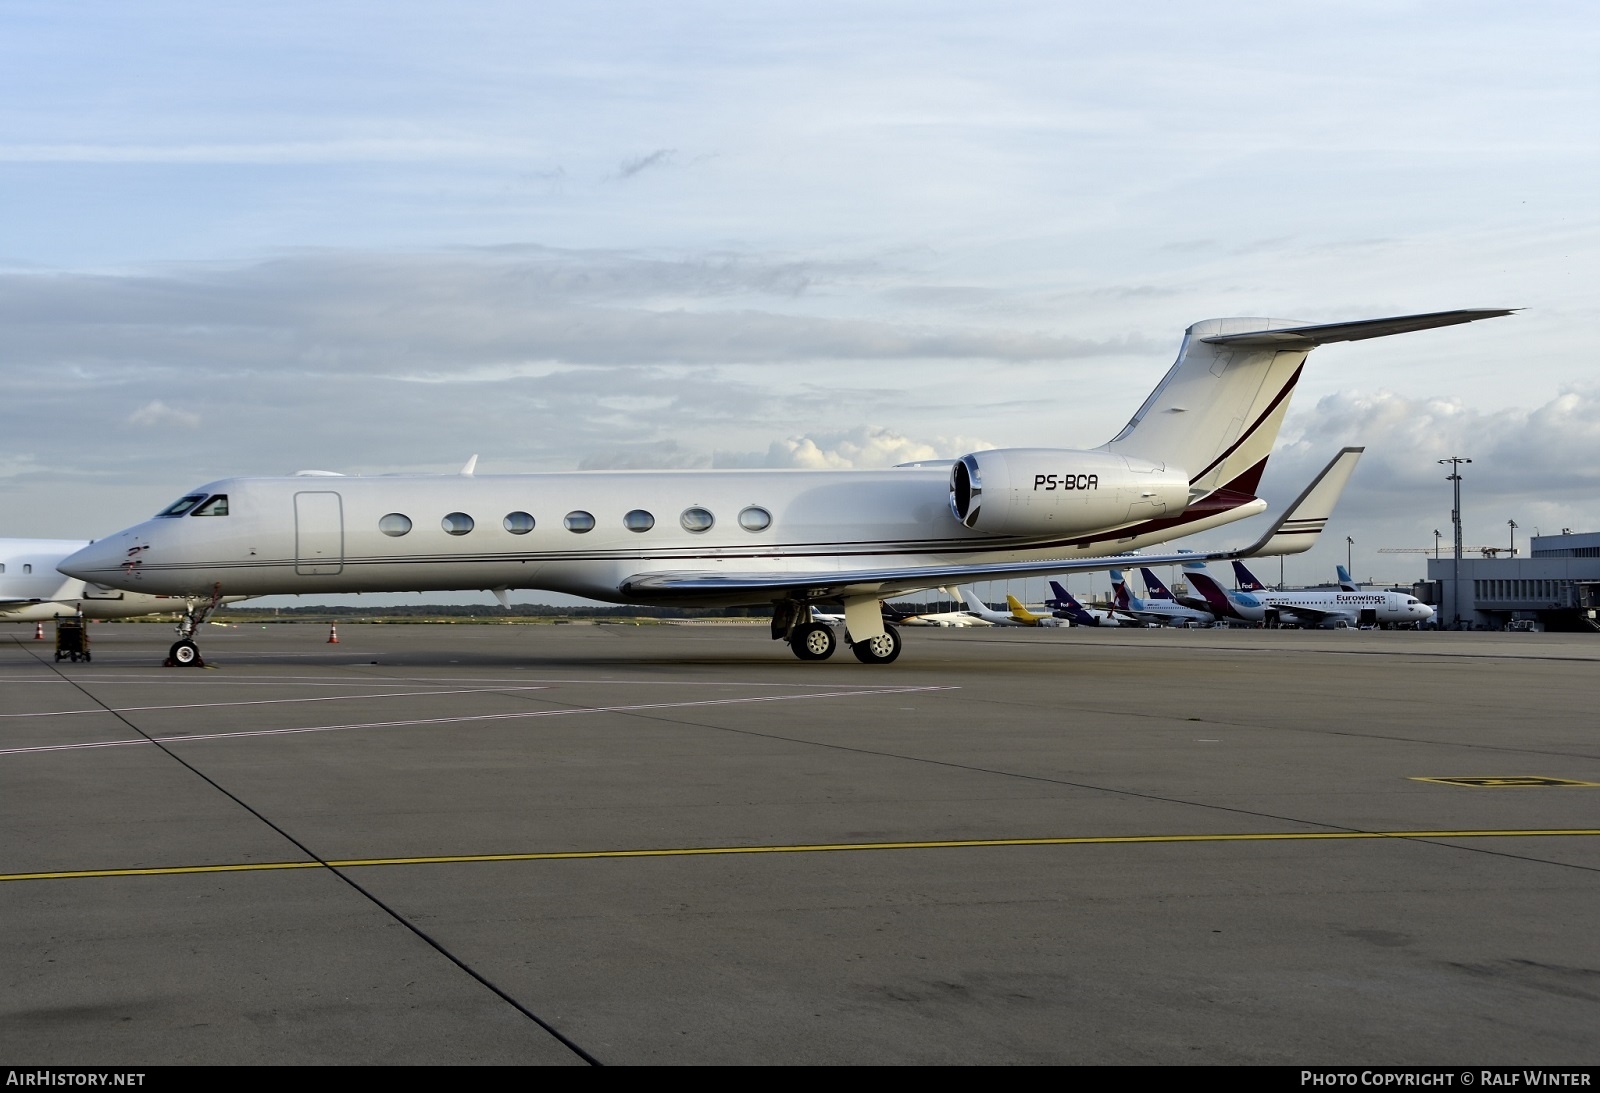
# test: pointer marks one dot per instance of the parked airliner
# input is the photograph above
(1311, 608)
(1189, 459)
(1066, 606)
(1163, 611)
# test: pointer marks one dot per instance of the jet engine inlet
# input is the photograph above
(966, 490)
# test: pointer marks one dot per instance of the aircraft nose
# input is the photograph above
(95, 562)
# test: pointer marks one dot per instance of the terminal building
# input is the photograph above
(1555, 587)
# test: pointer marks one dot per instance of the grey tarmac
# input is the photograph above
(563, 844)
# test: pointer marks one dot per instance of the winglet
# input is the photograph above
(1297, 529)
(472, 465)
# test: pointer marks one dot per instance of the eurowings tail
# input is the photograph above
(1214, 594)
(1346, 584)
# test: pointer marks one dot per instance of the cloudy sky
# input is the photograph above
(373, 237)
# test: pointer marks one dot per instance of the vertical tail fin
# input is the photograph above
(1215, 596)
(1218, 410)
(1021, 613)
(1120, 596)
(1153, 586)
(1346, 584)
(1246, 580)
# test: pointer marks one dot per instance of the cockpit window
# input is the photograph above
(182, 505)
(217, 506)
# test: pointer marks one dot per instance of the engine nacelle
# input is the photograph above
(1058, 491)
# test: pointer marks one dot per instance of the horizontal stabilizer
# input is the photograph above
(1322, 334)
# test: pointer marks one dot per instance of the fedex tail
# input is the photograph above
(1246, 580)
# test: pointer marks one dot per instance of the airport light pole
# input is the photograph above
(1436, 538)
(1349, 567)
(1513, 525)
(1454, 478)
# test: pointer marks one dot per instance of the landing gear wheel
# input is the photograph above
(879, 650)
(813, 641)
(185, 654)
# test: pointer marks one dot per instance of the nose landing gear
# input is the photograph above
(184, 652)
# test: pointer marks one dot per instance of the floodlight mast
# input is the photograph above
(1454, 478)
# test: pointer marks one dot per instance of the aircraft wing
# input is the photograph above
(1295, 531)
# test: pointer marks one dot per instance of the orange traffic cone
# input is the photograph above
(333, 634)
(38, 631)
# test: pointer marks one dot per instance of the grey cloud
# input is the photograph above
(1539, 466)
(444, 314)
(660, 455)
(660, 157)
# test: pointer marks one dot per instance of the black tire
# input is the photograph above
(813, 641)
(884, 650)
(184, 653)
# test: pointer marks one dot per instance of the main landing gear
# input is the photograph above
(812, 640)
(184, 652)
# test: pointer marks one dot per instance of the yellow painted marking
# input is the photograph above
(1501, 783)
(805, 848)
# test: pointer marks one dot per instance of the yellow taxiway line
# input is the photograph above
(803, 848)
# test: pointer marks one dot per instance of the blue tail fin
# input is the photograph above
(1346, 584)
(1246, 579)
(1153, 585)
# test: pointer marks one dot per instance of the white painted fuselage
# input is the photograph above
(327, 533)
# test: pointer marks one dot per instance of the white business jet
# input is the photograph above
(1189, 460)
(33, 590)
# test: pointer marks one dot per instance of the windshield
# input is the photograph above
(217, 506)
(182, 505)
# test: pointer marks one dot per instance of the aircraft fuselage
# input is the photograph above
(585, 533)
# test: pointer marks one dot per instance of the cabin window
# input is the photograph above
(578, 521)
(217, 506)
(26, 568)
(182, 505)
(457, 523)
(518, 523)
(755, 518)
(638, 520)
(2, 567)
(395, 524)
(697, 520)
